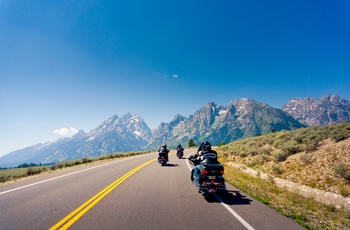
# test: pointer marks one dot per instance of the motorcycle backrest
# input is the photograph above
(210, 158)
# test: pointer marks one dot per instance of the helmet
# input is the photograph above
(164, 146)
(206, 146)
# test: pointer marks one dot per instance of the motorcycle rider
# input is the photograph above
(163, 150)
(179, 151)
(179, 148)
(205, 149)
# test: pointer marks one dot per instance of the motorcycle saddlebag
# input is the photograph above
(214, 169)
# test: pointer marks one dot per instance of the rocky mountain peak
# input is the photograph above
(330, 109)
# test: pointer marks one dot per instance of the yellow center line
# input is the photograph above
(70, 219)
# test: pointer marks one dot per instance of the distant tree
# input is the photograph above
(222, 143)
(191, 143)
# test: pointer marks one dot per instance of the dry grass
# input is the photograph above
(305, 211)
(318, 157)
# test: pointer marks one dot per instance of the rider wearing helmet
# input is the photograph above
(205, 150)
(205, 147)
(163, 150)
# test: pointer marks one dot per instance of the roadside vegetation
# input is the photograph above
(318, 157)
(25, 170)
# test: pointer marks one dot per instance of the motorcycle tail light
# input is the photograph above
(204, 183)
(212, 182)
(205, 172)
(221, 172)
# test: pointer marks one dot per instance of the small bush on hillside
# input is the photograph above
(342, 170)
(291, 147)
(338, 134)
(221, 143)
(68, 163)
(265, 150)
(311, 145)
(259, 160)
(281, 156)
(277, 168)
(60, 165)
(54, 167)
(4, 178)
(87, 160)
(278, 143)
(344, 191)
(281, 135)
(35, 170)
(78, 162)
(306, 158)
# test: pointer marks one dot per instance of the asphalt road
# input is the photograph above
(129, 194)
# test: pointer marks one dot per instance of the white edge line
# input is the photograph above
(238, 217)
(69, 174)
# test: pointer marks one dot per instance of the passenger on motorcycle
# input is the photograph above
(199, 151)
(205, 148)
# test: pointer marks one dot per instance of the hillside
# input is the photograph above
(303, 174)
(315, 157)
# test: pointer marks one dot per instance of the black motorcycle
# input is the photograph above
(163, 157)
(208, 175)
(179, 152)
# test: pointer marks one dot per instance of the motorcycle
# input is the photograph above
(179, 152)
(208, 175)
(162, 158)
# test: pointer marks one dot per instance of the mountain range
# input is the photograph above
(214, 123)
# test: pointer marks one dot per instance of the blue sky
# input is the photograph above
(72, 64)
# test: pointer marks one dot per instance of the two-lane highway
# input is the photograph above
(130, 193)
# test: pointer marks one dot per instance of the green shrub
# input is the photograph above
(87, 160)
(53, 167)
(342, 170)
(338, 134)
(277, 169)
(281, 156)
(221, 143)
(291, 147)
(265, 150)
(306, 158)
(33, 171)
(68, 163)
(78, 162)
(344, 191)
(60, 165)
(311, 145)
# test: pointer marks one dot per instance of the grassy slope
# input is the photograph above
(309, 156)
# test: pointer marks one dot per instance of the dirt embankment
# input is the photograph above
(314, 177)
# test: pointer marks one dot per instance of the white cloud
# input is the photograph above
(175, 76)
(64, 132)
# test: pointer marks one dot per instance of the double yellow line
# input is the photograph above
(69, 220)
